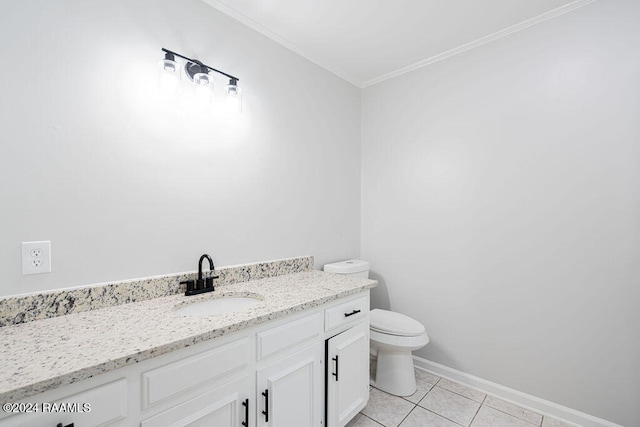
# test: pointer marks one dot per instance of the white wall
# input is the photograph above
(127, 187)
(501, 207)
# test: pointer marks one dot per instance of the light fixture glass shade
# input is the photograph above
(168, 77)
(233, 98)
(203, 88)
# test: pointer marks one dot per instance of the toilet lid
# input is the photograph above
(390, 322)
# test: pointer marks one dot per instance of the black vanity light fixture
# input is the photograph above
(198, 73)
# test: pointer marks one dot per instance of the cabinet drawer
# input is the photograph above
(97, 406)
(346, 312)
(173, 379)
(219, 406)
(288, 335)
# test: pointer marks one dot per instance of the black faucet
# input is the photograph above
(201, 285)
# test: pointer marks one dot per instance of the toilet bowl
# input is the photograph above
(393, 336)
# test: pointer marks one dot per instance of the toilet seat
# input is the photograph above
(397, 342)
(392, 323)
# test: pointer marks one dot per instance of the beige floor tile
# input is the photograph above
(462, 389)
(386, 409)
(423, 389)
(516, 411)
(554, 422)
(489, 417)
(425, 376)
(420, 417)
(362, 421)
(450, 405)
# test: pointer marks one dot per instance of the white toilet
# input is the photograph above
(393, 336)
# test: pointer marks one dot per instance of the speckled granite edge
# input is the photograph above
(114, 364)
(27, 308)
(38, 356)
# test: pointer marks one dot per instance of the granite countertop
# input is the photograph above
(45, 354)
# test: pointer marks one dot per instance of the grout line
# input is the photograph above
(392, 395)
(515, 416)
(478, 411)
(482, 403)
(458, 394)
(451, 379)
(366, 416)
(485, 398)
(431, 386)
(405, 417)
(466, 386)
(461, 395)
(442, 416)
(547, 409)
(425, 396)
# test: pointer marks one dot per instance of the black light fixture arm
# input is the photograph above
(195, 61)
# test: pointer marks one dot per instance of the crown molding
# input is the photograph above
(480, 42)
(229, 11)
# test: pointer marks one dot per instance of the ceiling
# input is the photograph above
(368, 41)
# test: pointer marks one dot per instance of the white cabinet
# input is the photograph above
(347, 374)
(272, 375)
(227, 405)
(172, 380)
(347, 313)
(107, 405)
(286, 336)
(290, 390)
(214, 387)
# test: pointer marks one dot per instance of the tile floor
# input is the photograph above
(439, 402)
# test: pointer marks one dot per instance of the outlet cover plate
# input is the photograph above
(36, 257)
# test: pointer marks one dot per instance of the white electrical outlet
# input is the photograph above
(36, 257)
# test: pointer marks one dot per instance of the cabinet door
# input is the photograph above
(223, 406)
(290, 390)
(347, 374)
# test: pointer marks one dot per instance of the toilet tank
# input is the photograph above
(350, 267)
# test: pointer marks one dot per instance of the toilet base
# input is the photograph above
(394, 372)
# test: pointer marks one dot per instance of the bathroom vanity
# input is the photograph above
(299, 358)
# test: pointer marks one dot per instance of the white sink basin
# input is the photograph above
(225, 304)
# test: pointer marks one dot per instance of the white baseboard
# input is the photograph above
(519, 398)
